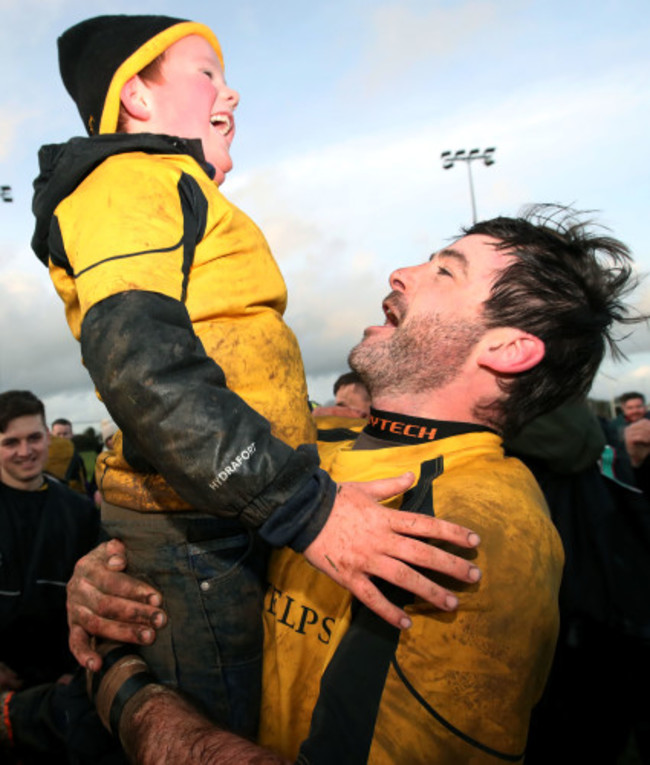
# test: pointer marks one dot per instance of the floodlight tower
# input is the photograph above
(5, 194)
(462, 156)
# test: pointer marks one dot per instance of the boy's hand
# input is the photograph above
(362, 539)
(105, 602)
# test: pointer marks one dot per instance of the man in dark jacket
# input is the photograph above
(44, 528)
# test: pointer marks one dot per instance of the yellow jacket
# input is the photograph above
(178, 304)
(456, 687)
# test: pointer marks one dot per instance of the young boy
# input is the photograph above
(174, 294)
(160, 275)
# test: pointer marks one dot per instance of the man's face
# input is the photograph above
(634, 409)
(434, 318)
(193, 100)
(354, 396)
(61, 430)
(23, 452)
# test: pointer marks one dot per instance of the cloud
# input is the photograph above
(546, 135)
(82, 408)
(341, 217)
(29, 24)
(12, 121)
(38, 353)
(334, 284)
(320, 386)
(401, 38)
(616, 378)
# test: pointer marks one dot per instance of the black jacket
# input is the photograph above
(42, 535)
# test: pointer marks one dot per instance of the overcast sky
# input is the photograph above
(345, 109)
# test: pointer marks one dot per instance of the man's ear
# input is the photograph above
(510, 351)
(135, 98)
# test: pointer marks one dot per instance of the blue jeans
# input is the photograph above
(211, 573)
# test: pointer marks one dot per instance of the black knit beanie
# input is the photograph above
(99, 56)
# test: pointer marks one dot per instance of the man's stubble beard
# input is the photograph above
(426, 353)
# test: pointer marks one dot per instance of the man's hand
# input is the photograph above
(9, 680)
(362, 539)
(637, 441)
(105, 602)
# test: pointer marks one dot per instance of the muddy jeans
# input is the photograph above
(211, 572)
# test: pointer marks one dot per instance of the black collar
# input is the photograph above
(404, 429)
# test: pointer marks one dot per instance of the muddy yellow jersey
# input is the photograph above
(126, 228)
(340, 685)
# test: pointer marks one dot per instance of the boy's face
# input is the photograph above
(193, 101)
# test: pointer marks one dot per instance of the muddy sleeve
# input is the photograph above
(180, 420)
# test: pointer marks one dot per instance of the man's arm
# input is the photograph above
(158, 725)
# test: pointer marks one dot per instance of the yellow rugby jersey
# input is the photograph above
(455, 688)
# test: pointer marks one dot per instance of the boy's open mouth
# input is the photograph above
(223, 122)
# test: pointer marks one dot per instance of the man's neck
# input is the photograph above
(33, 484)
(462, 399)
(426, 406)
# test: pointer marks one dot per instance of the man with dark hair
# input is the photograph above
(511, 300)
(351, 399)
(629, 433)
(62, 428)
(633, 407)
(19, 403)
(44, 529)
(628, 441)
(557, 291)
(350, 391)
(64, 461)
